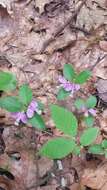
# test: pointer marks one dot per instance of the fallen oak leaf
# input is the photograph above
(41, 3)
(103, 45)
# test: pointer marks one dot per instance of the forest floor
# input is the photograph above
(37, 37)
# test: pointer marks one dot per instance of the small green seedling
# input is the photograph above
(23, 108)
(87, 107)
(7, 81)
(66, 122)
(71, 142)
(70, 81)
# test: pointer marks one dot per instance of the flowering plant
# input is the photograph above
(23, 108)
(26, 110)
(71, 82)
(66, 121)
(88, 109)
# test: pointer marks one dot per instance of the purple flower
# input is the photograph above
(62, 80)
(32, 108)
(23, 116)
(68, 86)
(90, 111)
(20, 117)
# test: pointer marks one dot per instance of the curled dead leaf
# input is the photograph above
(103, 45)
(102, 89)
(40, 4)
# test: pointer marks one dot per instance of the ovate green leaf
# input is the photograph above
(82, 77)
(11, 104)
(37, 122)
(96, 149)
(64, 120)
(91, 102)
(57, 148)
(68, 72)
(89, 121)
(25, 94)
(89, 136)
(7, 81)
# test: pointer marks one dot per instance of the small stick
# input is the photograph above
(98, 61)
(80, 29)
(28, 2)
(62, 180)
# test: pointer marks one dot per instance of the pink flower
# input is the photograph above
(32, 108)
(68, 86)
(90, 111)
(20, 117)
(24, 116)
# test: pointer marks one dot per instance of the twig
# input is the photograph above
(70, 19)
(28, 2)
(97, 62)
(86, 32)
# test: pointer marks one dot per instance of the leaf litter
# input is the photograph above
(36, 39)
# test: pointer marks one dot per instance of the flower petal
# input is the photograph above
(68, 87)
(24, 118)
(77, 87)
(33, 105)
(30, 113)
(62, 80)
(92, 111)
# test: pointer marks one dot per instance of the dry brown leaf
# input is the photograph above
(62, 42)
(95, 178)
(22, 142)
(41, 3)
(101, 69)
(103, 45)
(92, 16)
(104, 187)
(44, 165)
(102, 89)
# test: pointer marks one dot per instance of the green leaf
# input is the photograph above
(96, 149)
(89, 136)
(82, 77)
(25, 94)
(89, 121)
(91, 102)
(7, 81)
(77, 150)
(37, 122)
(104, 144)
(11, 104)
(40, 105)
(64, 120)
(68, 72)
(57, 148)
(62, 94)
(79, 103)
